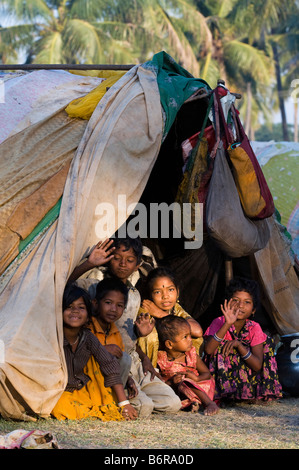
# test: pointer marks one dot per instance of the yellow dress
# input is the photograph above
(94, 400)
(150, 343)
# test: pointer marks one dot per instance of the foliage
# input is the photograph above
(265, 133)
(228, 39)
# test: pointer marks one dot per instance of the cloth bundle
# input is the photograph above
(237, 224)
(254, 193)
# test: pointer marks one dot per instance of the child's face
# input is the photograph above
(183, 340)
(124, 263)
(243, 301)
(164, 293)
(75, 315)
(111, 307)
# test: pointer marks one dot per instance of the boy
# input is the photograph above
(109, 304)
(123, 259)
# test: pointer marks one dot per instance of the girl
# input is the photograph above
(239, 354)
(162, 292)
(182, 368)
(92, 370)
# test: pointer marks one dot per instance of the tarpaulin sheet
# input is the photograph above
(115, 156)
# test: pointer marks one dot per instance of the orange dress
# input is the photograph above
(169, 368)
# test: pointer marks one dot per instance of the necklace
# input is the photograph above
(72, 344)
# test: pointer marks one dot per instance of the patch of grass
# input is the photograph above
(243, 426)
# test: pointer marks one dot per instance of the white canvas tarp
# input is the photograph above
(114, 157)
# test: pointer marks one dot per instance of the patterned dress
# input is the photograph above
(233, 378)
(169, 368)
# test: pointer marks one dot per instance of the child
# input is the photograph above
(109, 304)
(91, 368)
(181, 366)
(239, 354)
(124, 259)
(162, 291)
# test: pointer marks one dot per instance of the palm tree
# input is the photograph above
(154, 25)
(100, 31)
(288, 42)
(268, 20)
(243, 66)
(64, 31)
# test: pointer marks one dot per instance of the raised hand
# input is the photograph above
(101, 253)
(230, 311)
(144, 324)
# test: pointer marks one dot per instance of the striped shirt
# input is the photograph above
(89, 346)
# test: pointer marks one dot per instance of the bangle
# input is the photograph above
(123, 403)
(217, 338)
(247, 355)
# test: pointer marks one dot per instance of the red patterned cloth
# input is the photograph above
(184, 389)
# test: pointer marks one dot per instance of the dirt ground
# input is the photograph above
(242, 426)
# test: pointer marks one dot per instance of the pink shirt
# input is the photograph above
(254, 335)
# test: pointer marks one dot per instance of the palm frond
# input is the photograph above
(89, 10)
(175, 41)
(82, 41)
(50, 49)
(194, 24)
(248, 60)
(27, 11)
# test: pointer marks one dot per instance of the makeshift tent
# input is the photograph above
(56, 170)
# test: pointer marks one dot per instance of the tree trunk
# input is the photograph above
(280, 94)
(248, 109)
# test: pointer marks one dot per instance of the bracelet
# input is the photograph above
(217, 338)
(123, 403)
(247, 355)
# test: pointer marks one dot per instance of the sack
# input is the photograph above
(232, 231)
(253, 190)
(254, 193)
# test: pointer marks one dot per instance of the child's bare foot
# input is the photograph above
(194, 407)
(211, 409)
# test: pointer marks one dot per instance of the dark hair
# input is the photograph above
(108, 285)
(243, 285)
(134, 243)
(168, 327)
(73, 292)
(161, 271)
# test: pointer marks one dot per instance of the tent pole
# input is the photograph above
(228, 270)
(64, 67)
